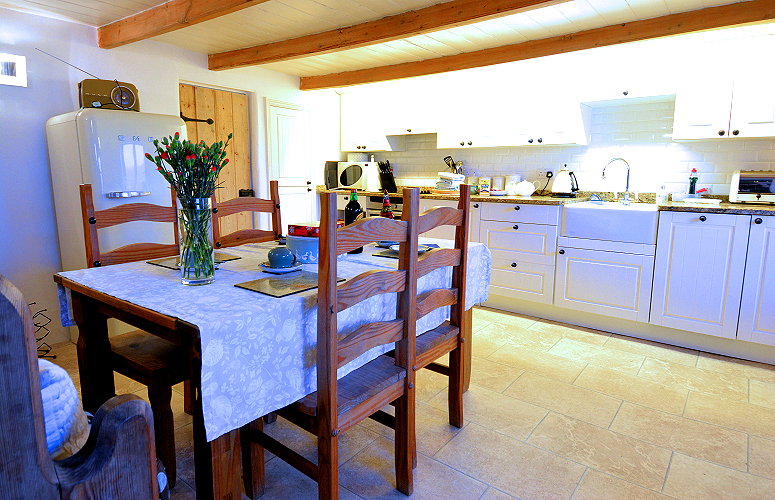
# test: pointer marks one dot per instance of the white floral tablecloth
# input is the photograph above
(258, 352)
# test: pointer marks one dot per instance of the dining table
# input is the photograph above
(249, 353)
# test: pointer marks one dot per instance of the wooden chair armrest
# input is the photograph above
(118, 460)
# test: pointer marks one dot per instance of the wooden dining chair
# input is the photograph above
(247, 204)
(340, 404)
(117, 461)
(139, 355)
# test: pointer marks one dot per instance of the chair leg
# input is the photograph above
(456, 384)
(406, 448)
(187, 406)
(253, 472)
(160, 395)
(328, 465)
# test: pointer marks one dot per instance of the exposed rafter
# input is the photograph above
(415, 22)
(674, 24)
(167, 17)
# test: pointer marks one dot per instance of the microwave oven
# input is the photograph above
(357, 175)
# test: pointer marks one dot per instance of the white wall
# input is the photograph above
(28, 247)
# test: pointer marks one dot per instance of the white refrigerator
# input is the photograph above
(106, 148)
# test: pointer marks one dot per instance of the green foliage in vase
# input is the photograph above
(191, 168)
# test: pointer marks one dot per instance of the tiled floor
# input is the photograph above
(554, 412)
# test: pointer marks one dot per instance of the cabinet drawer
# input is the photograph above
(522, 280)
(522, 212)
(536, 243)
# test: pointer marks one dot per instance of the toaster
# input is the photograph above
(753, 186)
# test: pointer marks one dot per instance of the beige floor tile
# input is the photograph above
(482, 347)
(761, 457)
(598, 356)
(493, 494)
(570, 400)
(579, 333)
(184, 454)
(693, 479)
(496, 411)
(371, 475)
(512, 466)
(182, 491)
(502, 335)
(634, 389)
(598, 486)
(543, 363)
(761, 393)
(179, 417)
(665, 352)
(66, 355)
(283, 482)
(738, 415)
(622, 456)
(690, 437)
(492, 375)
(737, 367)
(502, 317)
(432, 428)
(695, 379)
(428, 384)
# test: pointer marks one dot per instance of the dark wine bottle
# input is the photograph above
(352, 213)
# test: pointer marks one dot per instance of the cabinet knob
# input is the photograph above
(562, 252)
(357, 147)
(476, 205)
(513, 264)
(530, 141)
(758, 220)
(309, 190)
(625, 93)
(516, 226)
(470, 143)
(540, 140)
(721, 132)
(462, 143)
(309, 182)
(703, 218)
(735, 132)
(408, 130)
(516, 208)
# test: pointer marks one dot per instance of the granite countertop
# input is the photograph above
(722, 208)
(531, 200)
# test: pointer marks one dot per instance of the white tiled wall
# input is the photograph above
(638, 132)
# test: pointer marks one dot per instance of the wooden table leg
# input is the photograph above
(93, 348)
(467, 323)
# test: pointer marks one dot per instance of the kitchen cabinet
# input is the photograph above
(523, 242)
(363, 126)
(757, 316)
(448, 232)
(611, 278)
(698, 274)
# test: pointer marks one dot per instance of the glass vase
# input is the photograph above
(197, 263)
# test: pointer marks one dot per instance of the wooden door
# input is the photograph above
(698, 275)
(289, 151)
(229, 113)
(757, 316)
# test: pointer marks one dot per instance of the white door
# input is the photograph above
(698, 276)
(608, 283)
(757, 316)
(288, 145)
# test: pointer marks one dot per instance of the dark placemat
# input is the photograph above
(390, 254)
(172, 262)
(282, 285)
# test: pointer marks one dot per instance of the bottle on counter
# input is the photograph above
(353, 213)
(693, 181)
(661, 196)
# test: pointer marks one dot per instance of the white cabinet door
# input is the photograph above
(608, 283)
(753, 106)
(448, 232)
(703, 111)
(757, 314)
(535, 243)
(521, 280)
(360, 130)
(698, 276)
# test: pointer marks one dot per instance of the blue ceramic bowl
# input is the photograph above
(304, 247)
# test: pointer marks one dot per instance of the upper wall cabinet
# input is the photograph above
(363, 123)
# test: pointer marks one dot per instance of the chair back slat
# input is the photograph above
(368, 336)
(93, 220)
(433, 299)
(247, 204)
(369, 230)
(367, 285)
(436, 258)
(440, 216)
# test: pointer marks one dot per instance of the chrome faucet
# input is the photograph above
(626, 199)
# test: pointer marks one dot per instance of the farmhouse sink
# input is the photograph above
(611, 221)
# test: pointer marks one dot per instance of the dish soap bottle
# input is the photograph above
(662, 196)
(693, 181)
(353, 213)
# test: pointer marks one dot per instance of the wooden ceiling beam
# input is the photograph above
(751, 11)
(167, 17)
(416, 22)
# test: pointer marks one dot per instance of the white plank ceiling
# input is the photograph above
(277, 20)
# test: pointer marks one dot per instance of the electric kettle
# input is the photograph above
(565, 183)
